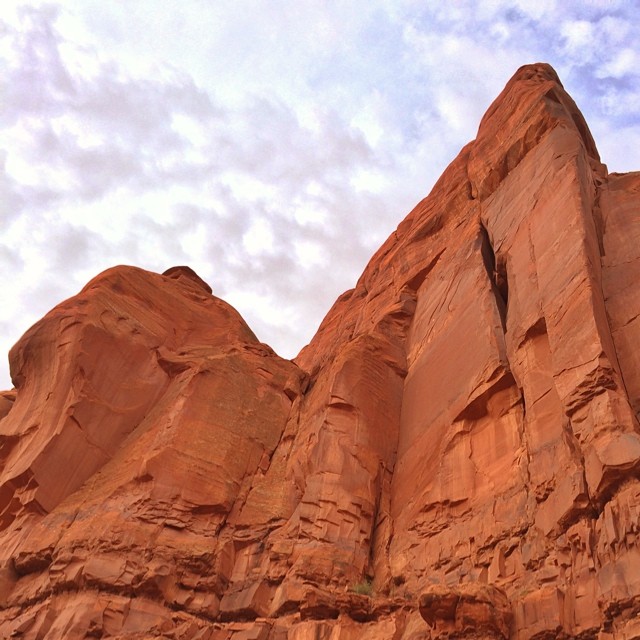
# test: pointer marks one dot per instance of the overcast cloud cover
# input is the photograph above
(270, 145)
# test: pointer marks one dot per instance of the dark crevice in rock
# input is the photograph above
(497, 271)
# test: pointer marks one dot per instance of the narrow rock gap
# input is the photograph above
(599, 221)
(375, 522)
(497, 271)
(523, 402)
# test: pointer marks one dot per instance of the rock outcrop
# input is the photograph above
(456, 454)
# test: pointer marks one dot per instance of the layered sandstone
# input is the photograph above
(456, 454)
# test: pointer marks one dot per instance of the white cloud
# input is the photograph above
(578, 35)
(624, 63)
(536, 10)
(259, 238)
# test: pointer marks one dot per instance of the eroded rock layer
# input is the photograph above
(456, 454)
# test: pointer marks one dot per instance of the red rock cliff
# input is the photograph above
(456, 454)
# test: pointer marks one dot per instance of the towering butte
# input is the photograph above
(456, 454)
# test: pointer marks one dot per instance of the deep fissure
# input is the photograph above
(497, 272)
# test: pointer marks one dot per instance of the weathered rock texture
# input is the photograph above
(455, 455)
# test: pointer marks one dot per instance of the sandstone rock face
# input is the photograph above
(456, 454)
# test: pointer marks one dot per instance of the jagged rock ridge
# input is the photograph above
(455, 454)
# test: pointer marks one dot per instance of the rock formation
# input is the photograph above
(456, 454)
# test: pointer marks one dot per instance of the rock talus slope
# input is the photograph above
(456, 454)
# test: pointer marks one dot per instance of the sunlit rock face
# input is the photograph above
(456, 454)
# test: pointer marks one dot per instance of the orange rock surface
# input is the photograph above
(456, 454)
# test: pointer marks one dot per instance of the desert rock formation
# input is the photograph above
(456, 454)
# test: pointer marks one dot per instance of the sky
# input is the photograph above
(272, 146)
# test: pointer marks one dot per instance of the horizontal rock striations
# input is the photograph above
(456, 454)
